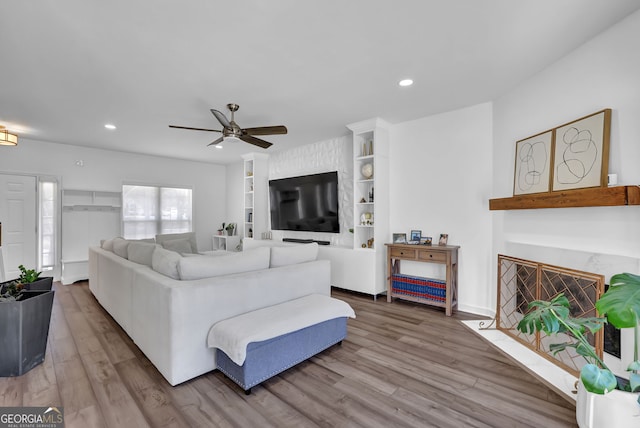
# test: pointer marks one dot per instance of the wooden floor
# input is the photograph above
(402, 364)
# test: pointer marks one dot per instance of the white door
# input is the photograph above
(18, 218)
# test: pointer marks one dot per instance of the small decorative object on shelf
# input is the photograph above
(371, 195)
(444, 237)
(367, 171)
(221, 230)
(363, 201)
(370, 243)
(366, 219)
(230, 229)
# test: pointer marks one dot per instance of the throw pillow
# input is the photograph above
(181, 246)
(283, 256)
(205, 266)
(165, 262)
(120, 247)
(108, 245)
(141, 252)
(190, 236)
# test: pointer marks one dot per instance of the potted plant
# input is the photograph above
(603, 399)
(32, 281)
(230, 227)
(24, 326)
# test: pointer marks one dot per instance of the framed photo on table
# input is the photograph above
(415, 236)
(444, 237)
(399, 238)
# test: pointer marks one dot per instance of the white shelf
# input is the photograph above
(256, 193)
(371, 136)
(225, 243)
(87, 217)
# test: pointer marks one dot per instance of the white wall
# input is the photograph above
(107, 170)
(440, 168)
(603, 73)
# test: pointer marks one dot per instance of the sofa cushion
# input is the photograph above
(120, 247)
(283, 256)
(182, 246)
(165, 262)
(190, 236)
(107, 244)
(141, 252)
(205, 267)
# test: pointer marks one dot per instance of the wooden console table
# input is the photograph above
(426, 290)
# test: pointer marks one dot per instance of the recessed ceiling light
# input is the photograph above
(405, 82)
(110, 126)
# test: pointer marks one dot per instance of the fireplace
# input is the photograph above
(617, 345)
(521, 281)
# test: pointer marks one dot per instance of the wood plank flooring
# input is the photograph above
(402, 365)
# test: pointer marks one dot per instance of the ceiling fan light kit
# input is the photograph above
(7, 138)
(232, 132)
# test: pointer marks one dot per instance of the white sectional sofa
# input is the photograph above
(169, 318)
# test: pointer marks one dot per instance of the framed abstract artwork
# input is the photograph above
(581, 153)
(533, 164)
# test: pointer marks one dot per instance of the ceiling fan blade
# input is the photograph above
(194, 129)
(221, 118)
(255, 141)
(215, 143)
(266, 130)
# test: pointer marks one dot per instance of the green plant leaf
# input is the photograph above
(597, 380)
(543, 316)
(635, 365)
(634, 382)
(621, 303)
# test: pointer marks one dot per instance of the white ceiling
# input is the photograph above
(70, 66)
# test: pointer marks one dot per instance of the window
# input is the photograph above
(48, 222)
(150, 210)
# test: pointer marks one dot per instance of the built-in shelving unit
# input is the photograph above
(255, 185)
(225, 243)
(591, 197)
(370, 202)
(87, 217)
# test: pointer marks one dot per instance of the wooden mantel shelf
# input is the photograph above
(591, 197)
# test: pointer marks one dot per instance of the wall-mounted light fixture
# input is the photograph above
(6, 138)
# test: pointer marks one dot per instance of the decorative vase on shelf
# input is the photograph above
(367, 171)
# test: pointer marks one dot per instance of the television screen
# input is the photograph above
(305, 203)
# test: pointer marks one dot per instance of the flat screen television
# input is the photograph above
(305, 203)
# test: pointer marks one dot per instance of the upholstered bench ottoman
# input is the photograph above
(253, 347)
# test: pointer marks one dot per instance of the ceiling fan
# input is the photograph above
(230, 129)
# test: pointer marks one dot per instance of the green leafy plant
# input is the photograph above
(230, 228)
(11, 291)
(619, 305)
(27, 276)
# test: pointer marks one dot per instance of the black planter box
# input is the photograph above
(42, 284)
(24, 329)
